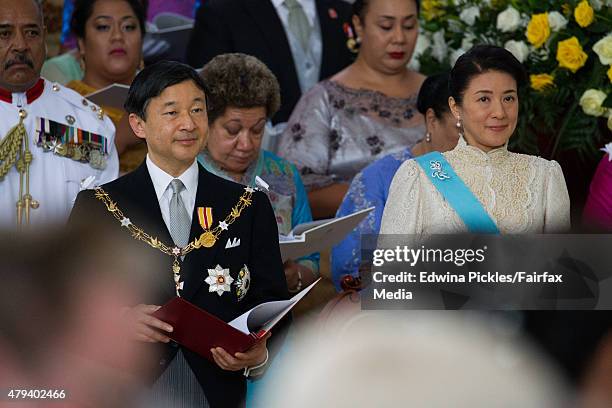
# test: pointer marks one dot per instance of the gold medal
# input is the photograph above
(207, 239)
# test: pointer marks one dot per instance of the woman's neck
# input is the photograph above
(361, 75)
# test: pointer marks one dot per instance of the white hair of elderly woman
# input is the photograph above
(414, 359)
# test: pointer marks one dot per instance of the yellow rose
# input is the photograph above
(538, 29)
(610, 74)
(591, 101)
(539, 82)
(431, 9)
(570, 54)
(584, 14)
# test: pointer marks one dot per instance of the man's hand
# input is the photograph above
(252, 357)
(145, 327)
(291, 273)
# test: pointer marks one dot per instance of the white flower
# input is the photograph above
(603, 49)
(556, 21)
(455, 56)
(508, 20)
(467, 42)
(422, 44)
(596, 4)
(439, 49)
(591, 101)
(519, 49)
(608, 148)
(469, 15)
(455, 26)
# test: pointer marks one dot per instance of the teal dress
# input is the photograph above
(286, 193)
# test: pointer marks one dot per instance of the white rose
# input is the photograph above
(455, 56)
(556, 21)
(422, 44)
(469, 15)
(455, 26)
(591, 101)
(508, 20)
(468, 41)
(519, 49)
(596, 4)
(439, 49)
(603, 49)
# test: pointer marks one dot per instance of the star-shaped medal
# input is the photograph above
(176, 251)
(223, 225)
(125, 222)
(219, 280)
(249, 189)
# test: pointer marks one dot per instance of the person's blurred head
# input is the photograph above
(166, 104)
(432, 102)
(242, 95)
(22, 44)
(484, 86)
(387, 30)
(109, 36)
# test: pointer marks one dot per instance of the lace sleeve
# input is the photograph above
(306, 139)
(557, 214)
(403, 212)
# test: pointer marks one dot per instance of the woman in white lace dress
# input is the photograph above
(513, 193)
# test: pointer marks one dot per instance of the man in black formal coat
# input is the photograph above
(262, 28)
(227, 251)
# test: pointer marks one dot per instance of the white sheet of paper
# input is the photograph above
(319, 235)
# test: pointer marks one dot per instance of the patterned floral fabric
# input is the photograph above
(370, 188)
(336, 131)
(286, 192)
(521, 193)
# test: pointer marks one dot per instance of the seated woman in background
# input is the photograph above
(362, 113)
(242, 95)
(507, 192)
(370, 187)
(109, 35)
(598, 209)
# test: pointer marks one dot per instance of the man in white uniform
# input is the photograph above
(53, 143)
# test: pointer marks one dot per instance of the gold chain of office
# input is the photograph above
(207, 239)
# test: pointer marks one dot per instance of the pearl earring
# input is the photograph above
(428, 137)
(458, 123)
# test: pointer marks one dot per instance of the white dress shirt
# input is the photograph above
(161, 182)
(307, 62)
(55, 180)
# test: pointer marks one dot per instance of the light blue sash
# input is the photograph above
(456, 193)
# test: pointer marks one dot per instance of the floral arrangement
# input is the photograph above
(566, 48)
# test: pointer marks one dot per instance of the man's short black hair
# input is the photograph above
(151, 82)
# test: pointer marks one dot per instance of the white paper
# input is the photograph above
(319, 235)
(266, 315)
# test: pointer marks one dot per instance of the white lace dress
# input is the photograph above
(522, 194)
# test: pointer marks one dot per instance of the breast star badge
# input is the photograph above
(219, 280)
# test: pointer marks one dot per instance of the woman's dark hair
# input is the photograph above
(480, 59)
(434, 94)
(240, 81)
(152, 80)
(83, 9)
(360, 8)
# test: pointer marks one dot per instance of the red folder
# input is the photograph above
(200, 331)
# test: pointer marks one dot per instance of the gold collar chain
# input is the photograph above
(207, 239)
